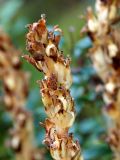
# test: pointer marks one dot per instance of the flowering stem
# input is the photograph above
(105, 54)
(59, 106)
(15, 83)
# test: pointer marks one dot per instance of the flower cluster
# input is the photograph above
(105, 54)
(59, 106)
(15, 83)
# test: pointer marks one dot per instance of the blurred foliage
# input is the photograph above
(89, 127)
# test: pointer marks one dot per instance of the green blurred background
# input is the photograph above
(89, 127)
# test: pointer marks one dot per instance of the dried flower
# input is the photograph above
(105, 55)
(15, 83)
(59, 105)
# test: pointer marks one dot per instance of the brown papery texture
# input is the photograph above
(59, 105)
(104, 32)
(15, 86)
